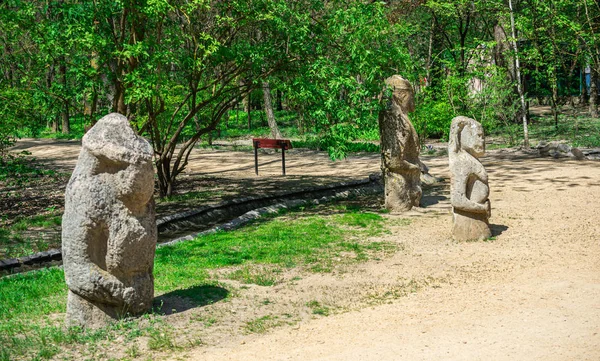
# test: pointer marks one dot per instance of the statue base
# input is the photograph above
(85, 314)
(470, 226)
(402, 191)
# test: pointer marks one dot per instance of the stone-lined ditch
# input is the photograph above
(223, 216)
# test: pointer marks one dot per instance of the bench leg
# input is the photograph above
(283, 158)
(256, 157)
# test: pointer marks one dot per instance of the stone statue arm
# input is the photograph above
(396, 164)
(89, 280)
(460, 200)
(481, 173)
(134, 185)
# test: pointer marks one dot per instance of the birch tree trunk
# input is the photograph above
(66, 125)
(518, 72)
(430, 52)
(275, 133)
(593, 93)
(246, 103)
(583, 97)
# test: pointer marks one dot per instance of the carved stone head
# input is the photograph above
(466, 134)
(123, 157)
(403, 92)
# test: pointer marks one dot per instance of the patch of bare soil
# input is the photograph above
(532, 292)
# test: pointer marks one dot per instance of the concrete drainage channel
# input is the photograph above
(224, 216)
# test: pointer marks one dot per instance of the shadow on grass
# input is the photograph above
(186, 299)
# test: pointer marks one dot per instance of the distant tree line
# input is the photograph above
(176, 67)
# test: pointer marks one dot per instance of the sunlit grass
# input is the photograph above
(32, 304)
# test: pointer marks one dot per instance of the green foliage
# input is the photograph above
(496, 104)
(78, 124)
(485, 94)
(336, 92)
(179, 69)
(432, 117)
(7, 136)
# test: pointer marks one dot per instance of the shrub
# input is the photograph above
(432, 117)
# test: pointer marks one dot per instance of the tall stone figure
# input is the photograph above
(400, 165)
(109, 229)
(469, 188)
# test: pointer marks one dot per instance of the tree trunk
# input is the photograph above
(93, 108)
(55, 126)
(593, 93)
(246, 103)
(66, 126)
(119, 99)
(275, 133)
(92, 102)
(164, 175)
(430, 53)
(518, 73)
(301, 123)
(279, 100)
(555, 104)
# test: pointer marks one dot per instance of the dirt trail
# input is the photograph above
(531, 293)
(63, 155)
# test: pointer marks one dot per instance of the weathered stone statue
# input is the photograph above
(469, 185)
(108, 229)
(400, 165)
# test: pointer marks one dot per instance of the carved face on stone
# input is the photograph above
(466, 135)
(472, 139)
(403, 92)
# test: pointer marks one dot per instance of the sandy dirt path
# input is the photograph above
(551, 317)
(63, 155)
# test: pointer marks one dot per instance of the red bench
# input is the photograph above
(282, 144)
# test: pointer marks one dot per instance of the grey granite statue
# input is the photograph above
(108, 229)
(469, 188)
(400, 165)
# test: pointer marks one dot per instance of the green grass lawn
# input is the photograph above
(31, 304)
(578, 130)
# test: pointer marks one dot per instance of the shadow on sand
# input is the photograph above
(497, 229)
(429, 200)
